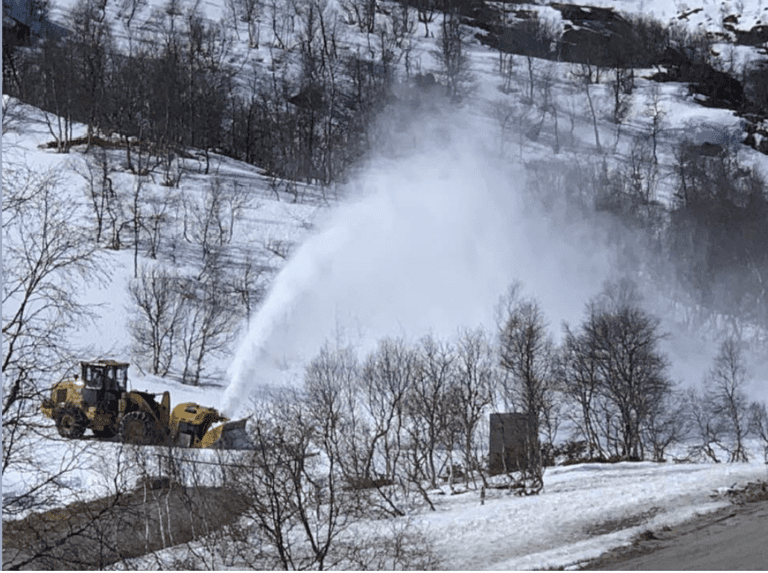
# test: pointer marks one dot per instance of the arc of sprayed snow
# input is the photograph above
(299, 275)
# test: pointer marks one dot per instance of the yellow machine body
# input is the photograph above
(100, 402)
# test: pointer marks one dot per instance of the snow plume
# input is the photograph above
(426, 241)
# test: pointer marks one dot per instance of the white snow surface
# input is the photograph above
(403, 219)
(584, 511)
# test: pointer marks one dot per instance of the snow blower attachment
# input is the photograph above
(191, 427)
(101, 403)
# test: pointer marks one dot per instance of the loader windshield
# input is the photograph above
(105, 376)
(92, 376)
(118, 377)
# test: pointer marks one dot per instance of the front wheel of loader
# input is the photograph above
(70, 422)
(138, 428)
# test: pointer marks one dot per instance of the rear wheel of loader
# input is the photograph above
(138, 428)
(71, 422)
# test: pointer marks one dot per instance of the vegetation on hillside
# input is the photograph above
(303, 90)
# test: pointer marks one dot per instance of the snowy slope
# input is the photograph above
(584, 511)
(402, 256)
(393, 265)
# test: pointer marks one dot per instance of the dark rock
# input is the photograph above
(720, 89)
(309, 98)
(757, 36)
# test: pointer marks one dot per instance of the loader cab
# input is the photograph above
(105, 381)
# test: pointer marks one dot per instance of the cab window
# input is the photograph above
(93, 378)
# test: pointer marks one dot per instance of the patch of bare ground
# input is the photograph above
(98, 533)
(612, 525)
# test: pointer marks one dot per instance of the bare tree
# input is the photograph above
(47, 259)
(248, 286)
(331, 384)
(13, 114)
(531, 65)
(585, 75)
(707, 431)
(295, 501)
(506, 59)
(504, 112)
(622, 84)
(581, 377)
(58, 90)
(390, 545)
(362, 12)
(207, 325)
(615, 375)
(632, 370)
(340, 398)
(656, 112)
(472, 391)
(386, 379)
(45, 255)
(725, 400)
(157, 218)
(426, 406)
(207, 81)
(718, 201)
(526, 351)
(301, 510)
(401, 36)
(759, 424)
(92, 536)
(142, 172)
(91, 36)
(426, 10)
(507, 71)
(249, 11)
(548, 102)
(128, 9)
(643, 175)
(97, 170)
(211, 222)
(282, 24)
(157, 320)
(232, 11)
(452, 55)
(666, 424)
(36, 12)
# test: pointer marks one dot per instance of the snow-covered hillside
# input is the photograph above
(403, 256)
(423, 236)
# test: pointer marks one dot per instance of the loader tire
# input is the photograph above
(138, 428)
(71, 422)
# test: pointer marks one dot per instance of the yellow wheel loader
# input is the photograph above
(100, 401)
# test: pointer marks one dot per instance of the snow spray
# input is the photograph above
(426, 242)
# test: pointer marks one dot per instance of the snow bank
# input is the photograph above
(585, 510)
